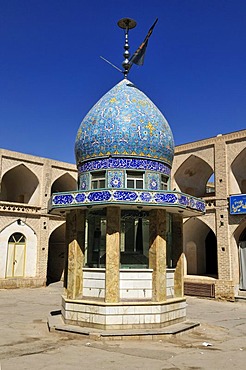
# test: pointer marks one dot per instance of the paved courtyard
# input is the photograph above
(25, 342)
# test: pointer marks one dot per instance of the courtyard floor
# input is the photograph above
(25, 342)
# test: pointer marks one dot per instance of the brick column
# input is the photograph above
(222, 232)
(112, 255)
(75, 238)
(177, 254)
(157, 253)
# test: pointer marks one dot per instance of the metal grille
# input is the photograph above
(199, 289)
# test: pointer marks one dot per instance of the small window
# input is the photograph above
(164, 182)
(135, 180)
(17, 238)
(98, 180)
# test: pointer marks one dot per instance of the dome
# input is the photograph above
(124, 123)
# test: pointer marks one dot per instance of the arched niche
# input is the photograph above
(56, 255)
(242, 259)
(193, 176)
(30, 261)
(200, 247)
(64, 183)
(238, 169)
(20, 185)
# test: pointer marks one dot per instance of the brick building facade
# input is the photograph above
(213, 169)
(32, 241)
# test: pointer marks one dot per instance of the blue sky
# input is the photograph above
(51, 73)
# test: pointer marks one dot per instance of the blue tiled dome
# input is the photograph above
(124, 123)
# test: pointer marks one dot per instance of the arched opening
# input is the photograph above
(239, 171)
(16, 256)
(56, 255)
(20, 185)
(10, 236)
(210, 187)
(211, 254)
(193, 177)
(200, 247)
(242, 260)
(64, 183)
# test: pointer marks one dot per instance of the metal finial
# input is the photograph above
(126, 24)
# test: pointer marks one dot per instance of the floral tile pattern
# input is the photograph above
(124, 122)
(139, 197)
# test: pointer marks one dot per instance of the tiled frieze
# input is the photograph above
(124, 163)
(126, 197)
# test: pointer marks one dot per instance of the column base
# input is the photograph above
(123, 315)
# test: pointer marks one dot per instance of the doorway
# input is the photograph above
(16, 256)
(242, 265)
(211, 254)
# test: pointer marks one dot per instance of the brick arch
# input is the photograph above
(240, 254)
(56, 254)
(65, 182)
(193, 175)
(200, 248)
(240, 232)
(238, 169)
(20, 185)
(31, 246)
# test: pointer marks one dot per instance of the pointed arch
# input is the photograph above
(240, 232)
(6, 236)
(240, 256)
(238, 169)
(56, 255)
(20, 185)
(64, 183)
(193, 175)
(200, 247)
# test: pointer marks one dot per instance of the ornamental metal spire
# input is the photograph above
(139, 55)
(126, 24)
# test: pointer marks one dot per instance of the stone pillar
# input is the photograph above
(75, 238)
(177, 254)
(157, 253)
(112, 255)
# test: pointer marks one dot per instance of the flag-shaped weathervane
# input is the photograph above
(138, 56)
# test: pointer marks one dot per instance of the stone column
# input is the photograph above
(75, 237)
(157, 253)
(112, 255)
(177, 254)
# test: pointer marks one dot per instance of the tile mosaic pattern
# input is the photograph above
(115, 179)
(84, 181)
(124, 163)
(153, 181)
(124, 122)
(89, 198)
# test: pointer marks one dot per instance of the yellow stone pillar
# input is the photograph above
(177, 254)
(157, 253)
(112, 255)
(75, 238)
